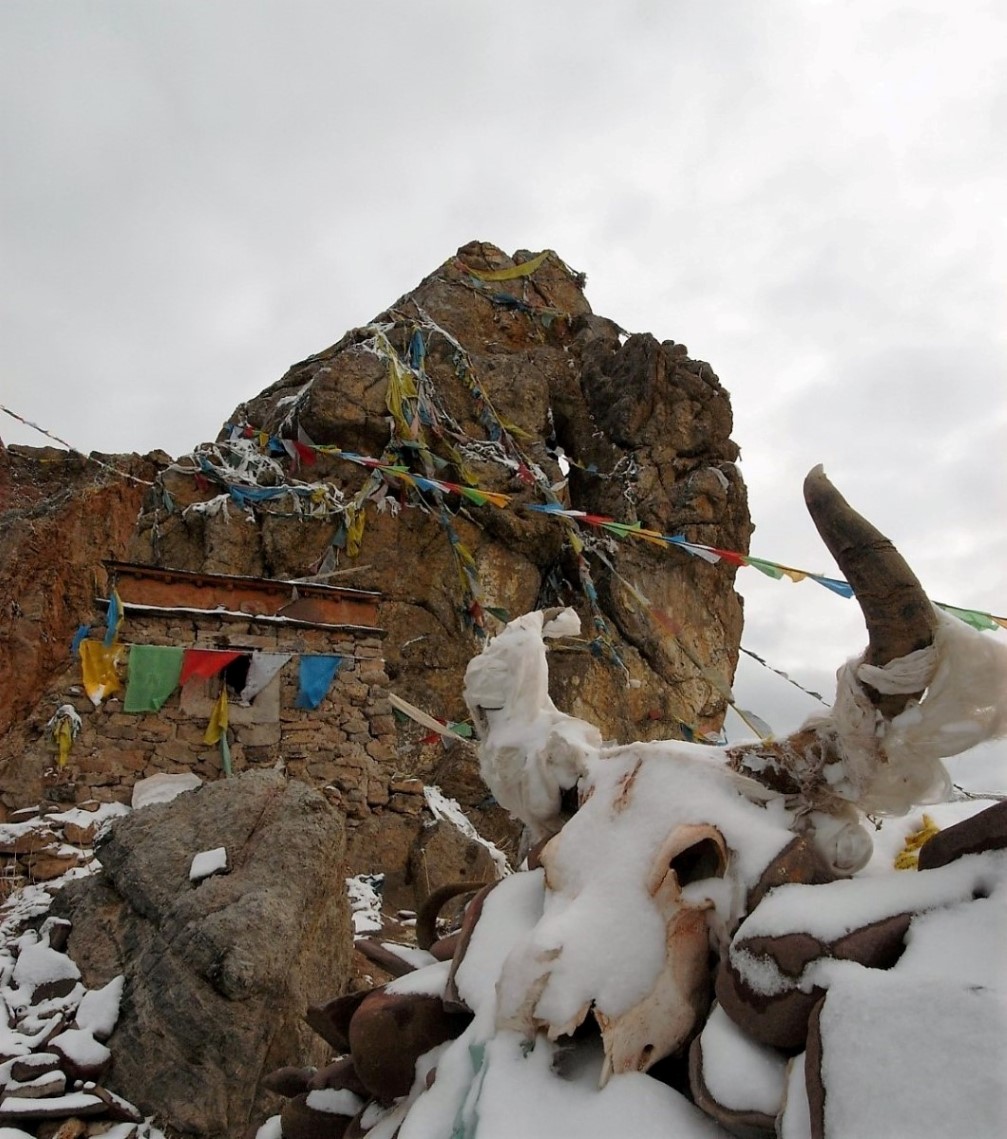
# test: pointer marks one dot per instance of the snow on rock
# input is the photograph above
(365, 902)
(739, 1073)
(269, 1130)
(51, 1107)
(339, 1101)
(794, 1122)
(90, 822)
(441, 807)
(46, 1084)
(934, 1043)
(428, 981)
(208, 862)
(84, 1057)
(520, 1094)
(162, 788)
(42, 1056)
(39, 966)
(98, 1010)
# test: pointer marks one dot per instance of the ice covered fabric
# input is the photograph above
(890, 766)
(530, 751)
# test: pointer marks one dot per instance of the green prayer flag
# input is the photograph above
(153, 676)
(980, 621)
(770, 569)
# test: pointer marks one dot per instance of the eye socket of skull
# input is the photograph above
(691, 853)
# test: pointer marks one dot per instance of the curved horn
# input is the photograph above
(899, 617)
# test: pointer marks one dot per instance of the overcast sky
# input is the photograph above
(808, 194)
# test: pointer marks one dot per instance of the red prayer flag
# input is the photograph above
(729, 556)
(204, 663)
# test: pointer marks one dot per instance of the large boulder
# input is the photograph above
(219, 970)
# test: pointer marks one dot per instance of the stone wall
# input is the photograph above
(345, 747)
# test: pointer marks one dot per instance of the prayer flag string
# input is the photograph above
(479, 496)
(73, 450)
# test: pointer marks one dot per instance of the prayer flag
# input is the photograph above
(316, 675)
(977, 620)
(216, 731)
(153, 676)
(97, 662)
(704, 552)
(770, 569)
(728, 556)
(82, 632)
(523, 270)
(218, 718)
(204, 663)
(113, 618)
(843, 588)
(794, 574)
(64, 741)
(356, 520)
(261, 670)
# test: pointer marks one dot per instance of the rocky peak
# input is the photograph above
(495, 386)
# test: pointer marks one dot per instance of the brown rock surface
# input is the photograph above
(60, 515)
(509, 371)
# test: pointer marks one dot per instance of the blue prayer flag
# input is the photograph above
(316, 675)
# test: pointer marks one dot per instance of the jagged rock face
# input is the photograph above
(59, 517)
(219, 971)
(507, 372)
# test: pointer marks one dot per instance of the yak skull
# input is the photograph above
(660, 1023)
(636, 884)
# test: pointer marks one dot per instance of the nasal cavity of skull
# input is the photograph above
(704, 859)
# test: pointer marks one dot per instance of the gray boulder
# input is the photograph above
(219, 971)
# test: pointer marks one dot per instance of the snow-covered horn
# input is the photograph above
(898, 615)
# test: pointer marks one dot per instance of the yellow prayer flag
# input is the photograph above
(525, 269)
(64, 741)
(793, 574)
(356, 520)
(97, 662)
(218, 718)
(653, 536)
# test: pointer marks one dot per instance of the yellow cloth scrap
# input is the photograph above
(98, 667)
(356, 520)
(909, 856)
(525, 269)
(793, 574)
(64, 740)
(218, 718)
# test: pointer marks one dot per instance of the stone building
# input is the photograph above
(345, 745)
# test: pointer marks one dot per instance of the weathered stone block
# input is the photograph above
(258, 735)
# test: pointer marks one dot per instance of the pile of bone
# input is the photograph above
(52, 1030)
(786, 1034)
(378, 1036)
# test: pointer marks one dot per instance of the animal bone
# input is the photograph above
(673, 842)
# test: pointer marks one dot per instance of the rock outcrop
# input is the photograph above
(218, 970)
(492, 373)
(60, 516)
